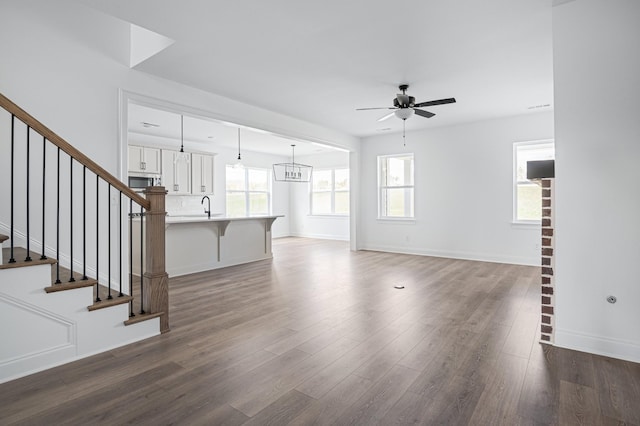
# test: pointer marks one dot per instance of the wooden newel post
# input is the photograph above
(156, 280)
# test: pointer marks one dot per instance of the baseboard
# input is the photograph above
(481, 257)
(613, 348)
(320, 236)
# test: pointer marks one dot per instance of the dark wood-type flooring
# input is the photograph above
(319, 335)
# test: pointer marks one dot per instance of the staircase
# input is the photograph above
(77, 296)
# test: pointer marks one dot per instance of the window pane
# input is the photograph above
(321, 180)
(235, 178)
(236, 204)
(342, 202)
(258, 203)
(529, 202)
(399, 202)
(399, 171)
(258, 180)
(342, 179)
(321, 203)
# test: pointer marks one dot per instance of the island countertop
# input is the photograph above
(196, 218)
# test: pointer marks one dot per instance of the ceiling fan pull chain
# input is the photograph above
(404, 139)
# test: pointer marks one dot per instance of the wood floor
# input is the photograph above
(319, 335)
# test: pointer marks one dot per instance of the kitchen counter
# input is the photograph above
(196, 243)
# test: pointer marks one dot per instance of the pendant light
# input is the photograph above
(292, 172)
(238, 164)
(182, 156)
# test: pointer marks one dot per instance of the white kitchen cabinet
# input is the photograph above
(176, 172)
(144, 159)
(202, 173)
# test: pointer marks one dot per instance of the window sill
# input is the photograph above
(328, 215)
(406, 220)
(532, 224)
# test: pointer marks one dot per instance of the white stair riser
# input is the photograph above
(48, 329)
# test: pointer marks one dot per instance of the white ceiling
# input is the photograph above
(319, 61)
(161, 127)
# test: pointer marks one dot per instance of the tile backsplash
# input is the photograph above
(189, 204)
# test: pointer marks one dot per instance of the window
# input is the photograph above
(248, 191)
(395, 183)
(527, 204)
(330, 192)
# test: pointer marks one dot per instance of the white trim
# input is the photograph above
(462, 255)
(317, 236)
(614, 348)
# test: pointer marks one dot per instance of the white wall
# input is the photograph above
(597, 87)
(65, 65)
(303, 224)
(463, 195)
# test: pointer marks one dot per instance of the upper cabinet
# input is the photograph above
(143, 159)
(202, 173)
(176, 172)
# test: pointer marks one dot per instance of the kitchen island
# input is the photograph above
(199, 243)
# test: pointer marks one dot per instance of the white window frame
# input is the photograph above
(333, 191)
(247, 192)
(381, 189)
(539, 144)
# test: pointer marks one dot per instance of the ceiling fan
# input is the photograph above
(404, 106)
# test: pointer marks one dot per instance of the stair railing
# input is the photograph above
(103, 205)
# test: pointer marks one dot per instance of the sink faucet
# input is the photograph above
(208, 209)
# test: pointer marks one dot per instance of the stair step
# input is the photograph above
(141, 317)
(106, 303)
(20, 254)
(3, 238)
(70, 285)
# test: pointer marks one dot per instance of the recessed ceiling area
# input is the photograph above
(155, 125)
(319, 61)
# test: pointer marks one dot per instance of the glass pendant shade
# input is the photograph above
(404, 113)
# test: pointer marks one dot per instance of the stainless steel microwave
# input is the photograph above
(140, 182)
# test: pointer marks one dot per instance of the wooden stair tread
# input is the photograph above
(141, 317)
(3, 238)
(106, 303)
(20, 254)
(70, 285)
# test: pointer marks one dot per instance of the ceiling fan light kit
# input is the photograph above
(403, 113)
(292, 172)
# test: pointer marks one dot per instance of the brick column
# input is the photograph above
(548, 262)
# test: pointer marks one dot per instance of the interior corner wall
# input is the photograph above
(463, 192)
(597, 87)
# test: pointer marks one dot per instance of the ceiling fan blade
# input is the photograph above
(403, 99)
(366, 109)
(386, 116)
(423, 113)
(438, 102)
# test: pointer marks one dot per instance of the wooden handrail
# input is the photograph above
(52, 137)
